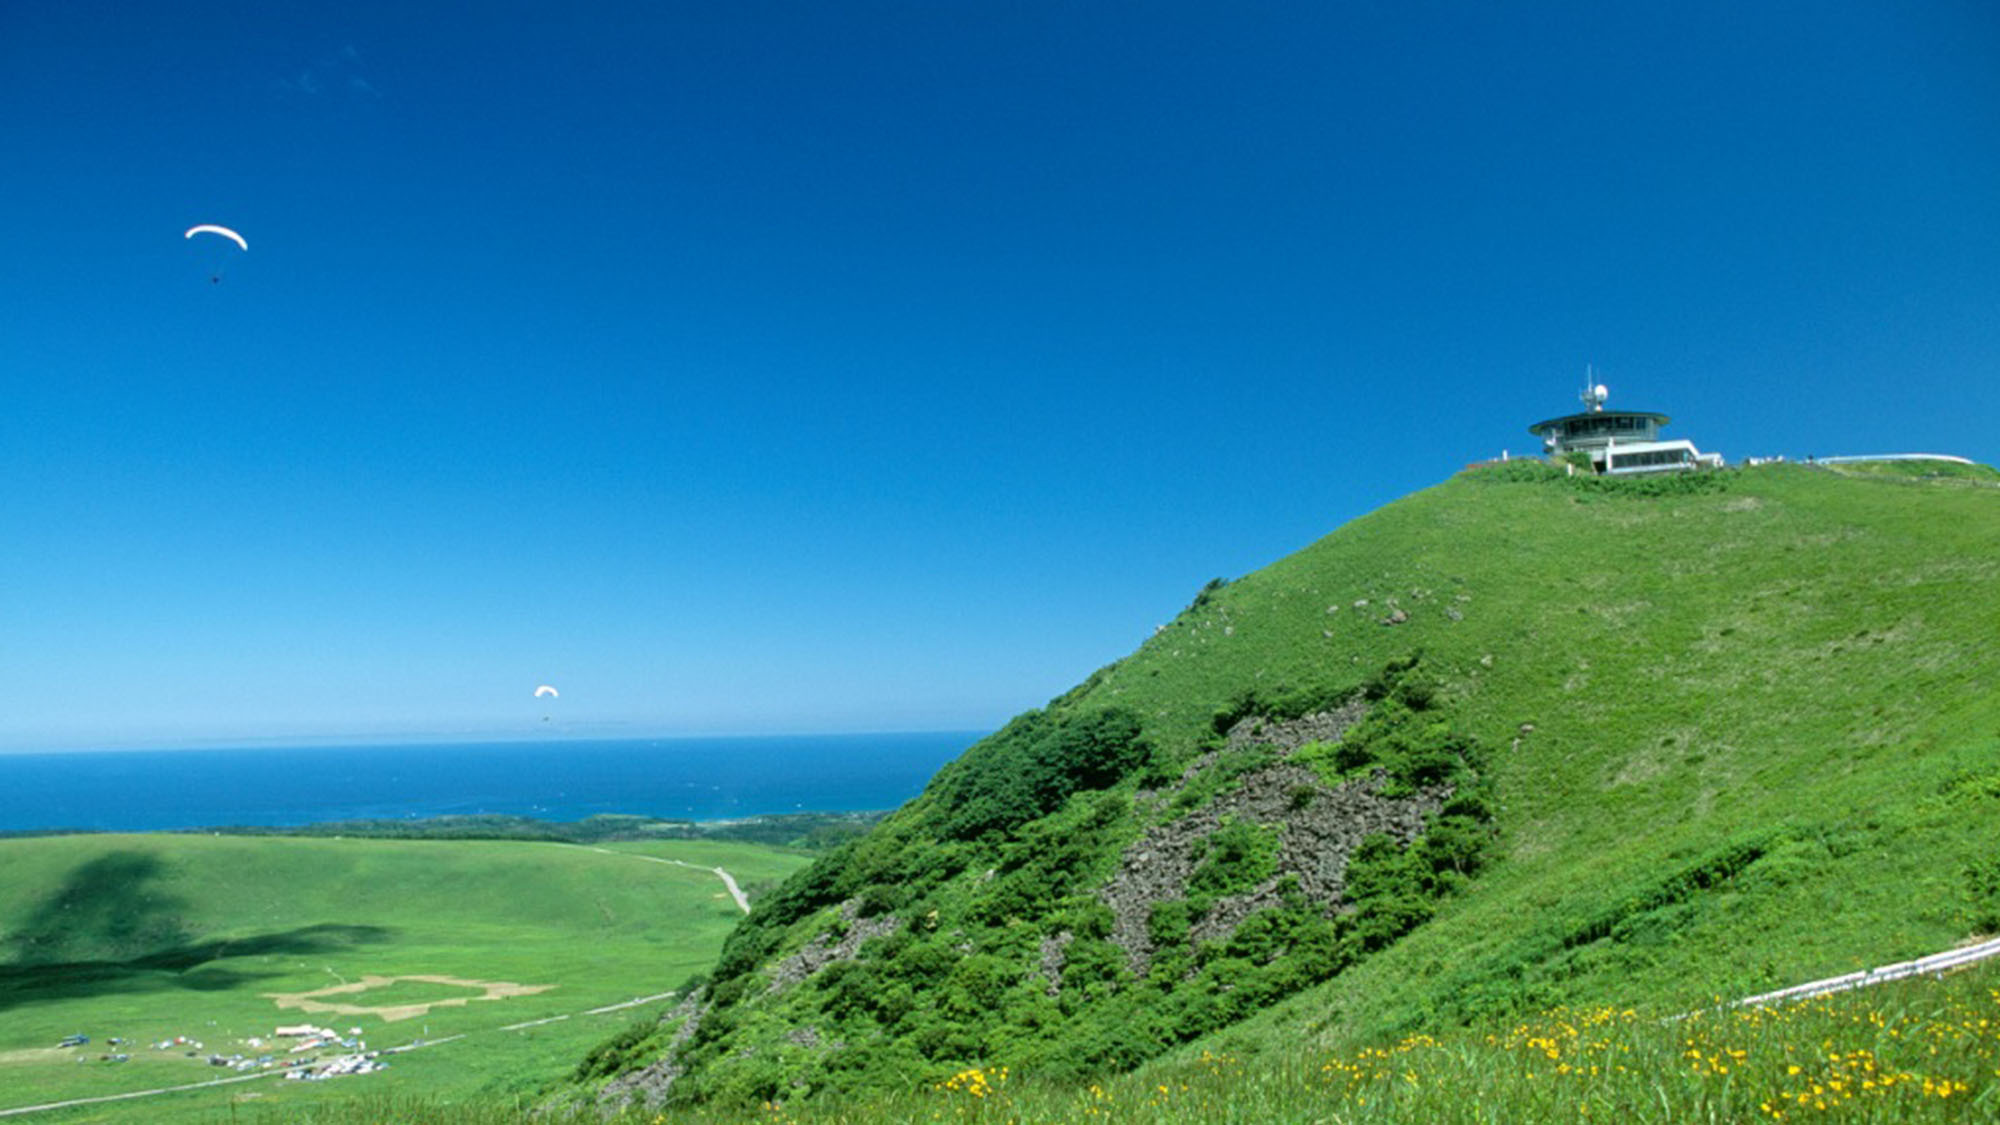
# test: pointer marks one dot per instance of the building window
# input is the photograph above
(1651, 458)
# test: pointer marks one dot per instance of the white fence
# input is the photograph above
(1851, 458)
(1922, 966)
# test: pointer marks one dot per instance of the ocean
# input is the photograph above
(684, 778)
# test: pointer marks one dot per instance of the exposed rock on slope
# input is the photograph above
(1317, 827)
(827, 948)
(1121, 919)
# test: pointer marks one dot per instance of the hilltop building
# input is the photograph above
(1620, 442)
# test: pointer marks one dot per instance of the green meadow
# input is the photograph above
(164, 937)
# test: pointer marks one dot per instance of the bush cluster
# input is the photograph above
(1030, 768)
(1585, 477)
(1404, 738)
(632, 1047)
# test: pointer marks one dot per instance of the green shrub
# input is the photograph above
(1168, 922)
(1388, 886)
(1655, 485)
(1032, 766)
(1519, 470)
(882, 898)
(1982, 885)
(628, 1049)
(1207, 593)
(1239, 855)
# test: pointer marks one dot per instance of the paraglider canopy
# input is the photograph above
(225, 232)
(546, 690)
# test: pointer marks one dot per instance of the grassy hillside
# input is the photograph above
(152, 937)
(1633, 743)
(1764, 745)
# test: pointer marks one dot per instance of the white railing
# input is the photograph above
(1922, 966)
(1846, 459)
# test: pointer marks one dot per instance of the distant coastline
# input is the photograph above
(697, 780)
(803, 831)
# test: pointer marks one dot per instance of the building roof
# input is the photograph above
(1658, 419)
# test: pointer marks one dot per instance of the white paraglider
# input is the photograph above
(211, 228)
(545, 691)
(217, 254)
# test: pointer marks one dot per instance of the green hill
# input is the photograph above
(1518, 740)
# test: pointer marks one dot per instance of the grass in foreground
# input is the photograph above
(1918, 1051)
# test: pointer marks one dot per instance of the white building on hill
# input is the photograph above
(1620, 442)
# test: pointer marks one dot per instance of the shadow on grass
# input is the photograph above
(110, 928)
(184, 967)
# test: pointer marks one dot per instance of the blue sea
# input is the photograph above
(685, 778)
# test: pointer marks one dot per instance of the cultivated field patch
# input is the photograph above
(315, 1001)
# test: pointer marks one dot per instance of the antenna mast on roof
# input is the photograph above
(1594, 392)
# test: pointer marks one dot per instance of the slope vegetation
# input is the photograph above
(1519, 739)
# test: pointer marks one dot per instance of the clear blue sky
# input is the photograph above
(848, 366)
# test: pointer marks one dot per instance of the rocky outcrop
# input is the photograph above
(1290, 734)
(1054, 955)
(1307, 830)
(648, 1084)
(825, 948)
(1318, 828)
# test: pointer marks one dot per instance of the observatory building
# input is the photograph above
(1620, 442)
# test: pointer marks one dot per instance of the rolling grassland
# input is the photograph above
(165, 937)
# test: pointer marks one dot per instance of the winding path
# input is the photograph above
(735, 892)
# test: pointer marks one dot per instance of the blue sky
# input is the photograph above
(810, 367)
